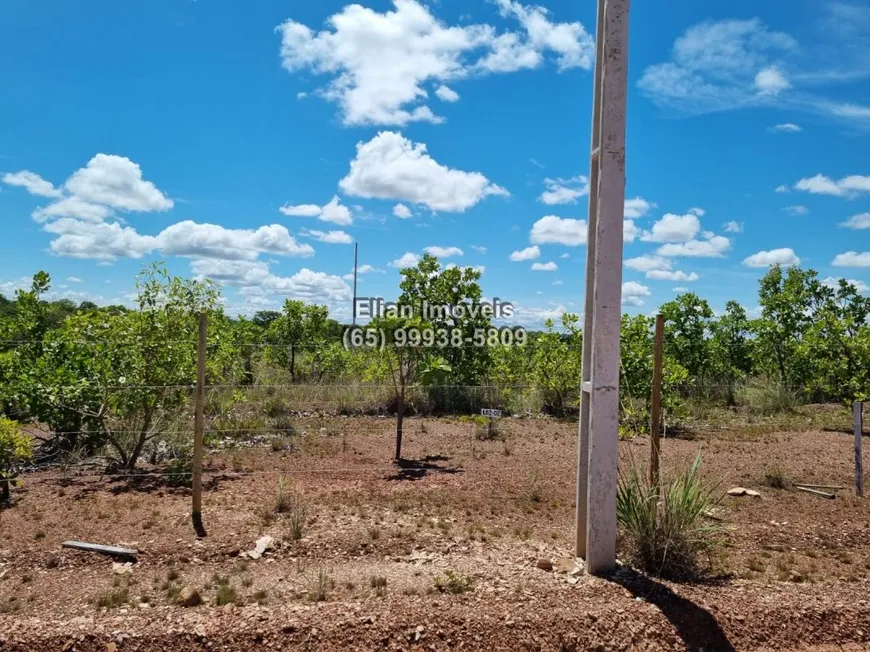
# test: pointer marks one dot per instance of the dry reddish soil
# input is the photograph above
(383, 546)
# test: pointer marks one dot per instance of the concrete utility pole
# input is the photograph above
(599, 402)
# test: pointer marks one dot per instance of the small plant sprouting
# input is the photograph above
(113, 599)
(533, 488)
(379, 584)
(453, 582)
(321, 586)
(292, 505)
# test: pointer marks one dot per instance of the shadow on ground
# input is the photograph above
(694, 625)
(150, 482)
(417, 469)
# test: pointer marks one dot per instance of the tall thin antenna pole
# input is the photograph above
(355, 251)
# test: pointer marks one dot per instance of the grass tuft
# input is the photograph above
(665, 527)
(321, 586)
(775, 477)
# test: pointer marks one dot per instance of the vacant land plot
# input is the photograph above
(466, 544)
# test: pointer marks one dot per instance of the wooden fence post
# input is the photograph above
(656, 408)
(199, 426)
(858, 413)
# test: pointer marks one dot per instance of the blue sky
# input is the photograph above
(252, 142)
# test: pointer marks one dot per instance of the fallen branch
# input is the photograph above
(816, 492)
(819, 486)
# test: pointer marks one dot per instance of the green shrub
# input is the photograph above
(226, 594)
(666, 528)
(113, 599)
(453, 582)
(15, 449)
(179, 471)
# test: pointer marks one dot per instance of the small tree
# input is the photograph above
(789, 300)
(128, 374)
(557, 361)
(402, 361)
(428, 289)
(15, 448)
(687, 325)
(300, 325)
(730, 347)
(636, 371)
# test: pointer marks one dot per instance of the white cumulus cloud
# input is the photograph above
(330, 237)
(380, 64)
(545, 267)
(32, 183)
(529, 253)
(92, 193)
(771, 81)
(557, 230)
(334, 211)
(443, 252)
(672, 275)
(659, 268)
(564, 191)
(834, 283)
(637, 207)
(255, 278)
(446, 94)
(117, 182)
(710, 246)
(73, 207)
(401, 211)
(849, 186)
(98, 240)
(859, 222)
(673, 228)
(782, 256)
(852, 259)
(195, 240)
(390, 166)
(633, 293)
(408, 259)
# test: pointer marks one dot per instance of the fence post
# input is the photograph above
(656, 408)
(199, 426)
(858, 413)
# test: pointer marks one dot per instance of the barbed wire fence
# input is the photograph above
(264, 408)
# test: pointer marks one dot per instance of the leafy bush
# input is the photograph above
(15, 449)
(665, 527)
